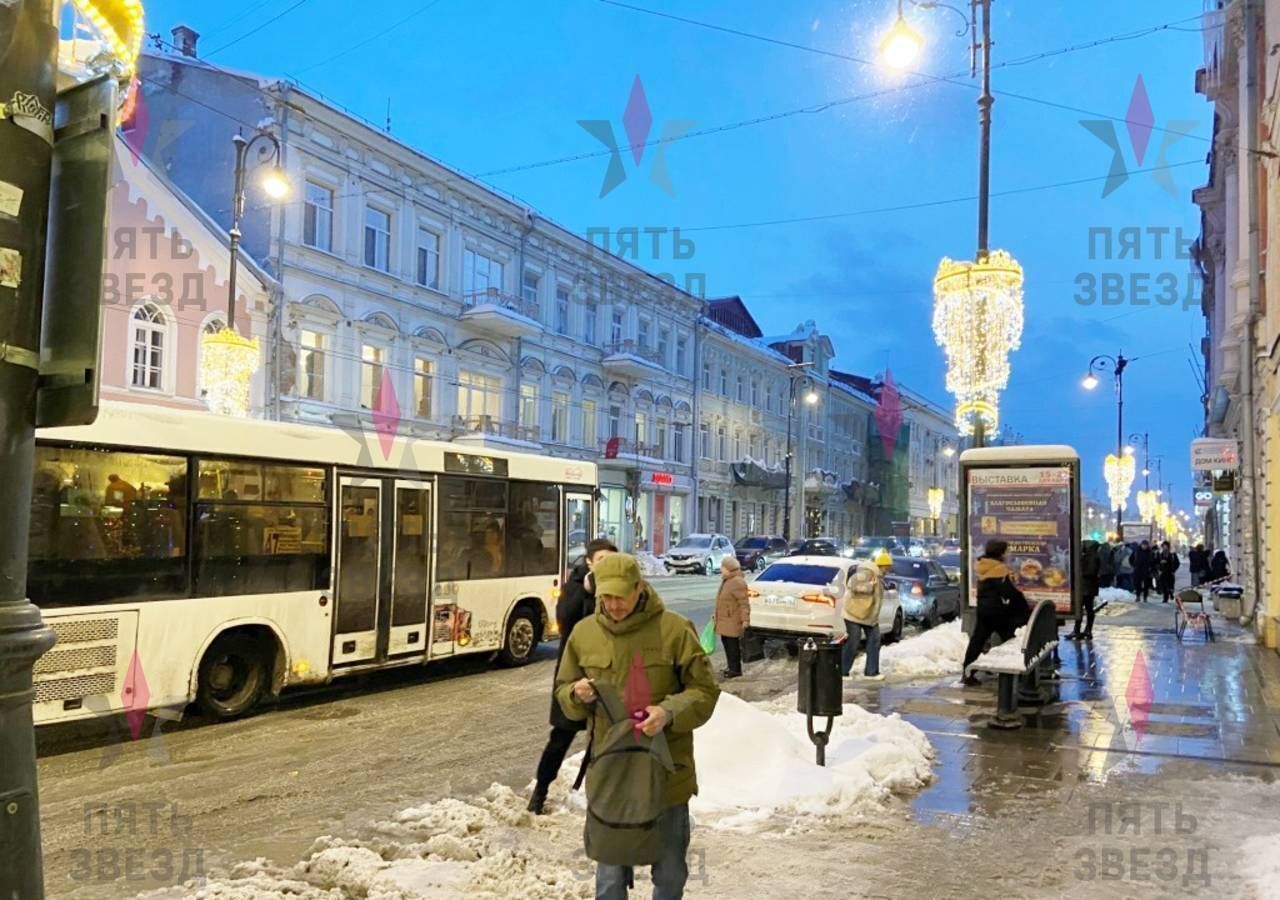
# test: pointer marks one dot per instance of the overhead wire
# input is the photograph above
(252, 31)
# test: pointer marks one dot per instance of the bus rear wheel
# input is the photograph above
(233, 676)
(521, 638)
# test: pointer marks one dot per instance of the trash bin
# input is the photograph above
(1229, 599)
(821, 692)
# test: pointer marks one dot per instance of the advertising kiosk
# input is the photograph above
(1028, 497)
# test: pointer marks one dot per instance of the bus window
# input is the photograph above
(534, 531)
(472, 529)
(107, 526)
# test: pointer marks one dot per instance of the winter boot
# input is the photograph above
(538, 801)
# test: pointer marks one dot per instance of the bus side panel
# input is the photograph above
(484, 607)
(88, 671)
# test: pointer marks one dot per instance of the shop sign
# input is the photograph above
(1214, 454)
(666, 479)
(1224, 483)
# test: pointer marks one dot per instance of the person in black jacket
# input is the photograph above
(1143, 564)
(1166, 565)
(1198, 564)
(1219, 570)
(577, 602)
(1089, 566)
(1001, 606)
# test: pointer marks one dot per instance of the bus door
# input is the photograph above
(410, 569)
(359, 559)
(579, 527)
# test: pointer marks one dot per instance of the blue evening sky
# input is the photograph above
(489, 85)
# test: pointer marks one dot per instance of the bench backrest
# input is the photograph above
(1041, 630)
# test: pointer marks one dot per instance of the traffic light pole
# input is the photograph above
(28, 85)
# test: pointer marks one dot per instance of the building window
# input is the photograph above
(753, 445)
(562, 310)
(311, 362)
(480, 273)
(428, 259)
(704, 440)
(724, 382)
(560, 417)
(377, 239)
(590, 427)
(722, 444)
(317, 217)
(682, 353)
(642, 428)
(664, 344)
(706, 376)
(479, 395)
(529, 287)
(642, 334)
(677, 442)
(589, 325)
(149, 328)
(660, 437)
(742, 390)
(615, 326)
(737, 445)
(768, 397)
(372, 359)
(615, 421)
(529, 405)
(755, 393)
(422, 388)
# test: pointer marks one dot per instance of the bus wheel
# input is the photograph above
(233, 676)
(522, 639)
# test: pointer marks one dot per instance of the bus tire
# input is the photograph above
(521, 639)
(234, 674)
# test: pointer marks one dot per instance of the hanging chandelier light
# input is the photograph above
(227, 364)
(1147, 505)
(935, 502)
(1119, 472)
(977, 320)
(120, 23)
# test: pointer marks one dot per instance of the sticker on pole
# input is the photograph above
(10, 267)
(10, 199)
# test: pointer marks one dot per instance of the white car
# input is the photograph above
(700, 553)
(802, 596)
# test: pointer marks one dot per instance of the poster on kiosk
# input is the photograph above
(1028, 497)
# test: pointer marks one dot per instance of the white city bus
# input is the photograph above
(181, 556)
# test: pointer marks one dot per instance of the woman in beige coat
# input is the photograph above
(733, 614)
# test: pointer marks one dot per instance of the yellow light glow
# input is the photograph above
(275, 183)
(227, 364)
(120, 23)
(1147, 505)
(1119, 472)
(977, 320)
(935, 502)
(901, 46)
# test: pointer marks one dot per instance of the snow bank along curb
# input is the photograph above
(938, 651)
(650, 565)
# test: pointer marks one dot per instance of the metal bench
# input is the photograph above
(1023, 669)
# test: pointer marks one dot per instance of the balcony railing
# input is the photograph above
(493, 427)
(632, 348)
(632, 449)
(494, 297)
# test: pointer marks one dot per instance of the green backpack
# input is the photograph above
(626, 778)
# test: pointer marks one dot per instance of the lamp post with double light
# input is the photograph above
(810, 399)
(1103, 363)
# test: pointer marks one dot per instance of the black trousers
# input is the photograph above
(553, 755)
(1142, 587)
(1087, 611)
(984, 627)
(733, 653)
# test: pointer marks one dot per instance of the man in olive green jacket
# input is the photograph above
(631, 622)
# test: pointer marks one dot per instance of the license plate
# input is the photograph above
(779, 601)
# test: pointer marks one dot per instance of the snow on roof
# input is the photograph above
(1024, 453)
(757, 344)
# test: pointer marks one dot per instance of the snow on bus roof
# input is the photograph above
(1025, 453)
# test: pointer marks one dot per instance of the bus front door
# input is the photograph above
(360, 529)
(579, 528)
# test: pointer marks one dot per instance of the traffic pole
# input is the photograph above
(28, 85)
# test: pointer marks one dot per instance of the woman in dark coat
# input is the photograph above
(577, 602)
(1167, 564)
(1001, 606)
(1219, 570)
(1089, 565)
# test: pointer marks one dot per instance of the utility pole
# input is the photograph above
(28, 94)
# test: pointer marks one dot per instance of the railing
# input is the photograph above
(493, 427)
(495, 297)
(632, 348)
(632, 449)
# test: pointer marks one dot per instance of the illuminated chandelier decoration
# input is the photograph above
(977, 320)
(120, 23)
(1119, 472)
(227, 364)
(935, 502)
(1147, 505)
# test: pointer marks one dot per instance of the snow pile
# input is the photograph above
(938, 651)
(1261, 866)
(1116, 595)
(1008, 655)
(650, 565)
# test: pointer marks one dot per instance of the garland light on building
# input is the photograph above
(1147, 505)
(120, 23)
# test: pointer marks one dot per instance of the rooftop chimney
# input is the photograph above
(184, 40)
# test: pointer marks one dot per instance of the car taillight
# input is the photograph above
(917, 589)
(819, 598)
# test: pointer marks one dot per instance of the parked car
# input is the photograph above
(817, 546)
(867, 547)
(916, 547)
(802, 596)
(700, 553)
(950, 562)
(926, 592)
(757, 551)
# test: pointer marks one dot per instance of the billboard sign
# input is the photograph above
(1214, 454)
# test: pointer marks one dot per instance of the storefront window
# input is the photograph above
(612, 514)
(676, 517)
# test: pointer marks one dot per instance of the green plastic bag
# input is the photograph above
(708, 637)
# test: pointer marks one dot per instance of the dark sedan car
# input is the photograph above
(818, 546)
(928, 595)
(757, 551)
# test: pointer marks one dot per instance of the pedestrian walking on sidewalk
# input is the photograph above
(733, 614)
(1143, 570)
(636, 673)
(1219, 570)
(1106, 565)
(1166, 568)
(577, 602)
(864, 595)
(1088, 590)
(1198, 564)
(1124, 566)
(1001, 606)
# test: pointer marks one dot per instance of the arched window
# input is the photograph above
(149, 335)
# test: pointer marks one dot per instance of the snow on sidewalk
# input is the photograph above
(938, 651)
(1116, 595)
(650, 565)
(1260, 866)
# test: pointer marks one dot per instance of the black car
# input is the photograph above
(819, 546)
(927, 594)
(757, 551)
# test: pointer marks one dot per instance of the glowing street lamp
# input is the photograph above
(902, 45)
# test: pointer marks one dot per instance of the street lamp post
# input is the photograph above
(810, 398)
(273, 182)
(1117, 364)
